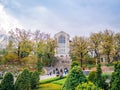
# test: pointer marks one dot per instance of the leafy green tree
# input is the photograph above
(22, 42)
(117, 46)
(74, 78)
(8, 82)
(34, 79)
(115, 80)
(95, 45)
(98, 77)
(79, 49)
(39, 66)
(91, 76)
(107, 44)
(87, 86)
(23, 81)
(75, 63)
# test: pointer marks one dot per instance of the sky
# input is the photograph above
(75, 17)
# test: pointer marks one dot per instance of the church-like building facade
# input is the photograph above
(63, 48)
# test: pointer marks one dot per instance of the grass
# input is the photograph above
(50, 86)
(59, 82)
(50, 80)
(52, 83)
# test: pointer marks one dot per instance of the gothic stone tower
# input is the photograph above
(62, 49)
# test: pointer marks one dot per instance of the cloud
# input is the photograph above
(76, 17)
(7, 22)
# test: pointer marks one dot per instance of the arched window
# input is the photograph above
(61, 39)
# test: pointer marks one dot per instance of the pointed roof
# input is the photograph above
(62, 32)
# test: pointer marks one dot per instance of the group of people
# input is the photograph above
(59, 72)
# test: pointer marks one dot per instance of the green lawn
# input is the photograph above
(52, 84)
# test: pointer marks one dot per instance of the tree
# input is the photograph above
(34, 79)
(91, 76)
(49, 51)
(115, 80)
(79, 49)
(95, 43)
(39, 66)
(8, 82)
(74, 78)
(75, 63)
(23, 81)
(98, 77)
(107, 43)
(117, 46)
(87, 86)
(21, 39)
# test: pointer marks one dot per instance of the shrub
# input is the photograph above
(75, 63)
(98, 77)
(23, 81)
(75, 77)
(34, 79)
(8, 82)
(87, 86)
(115, 80)
(91, 76)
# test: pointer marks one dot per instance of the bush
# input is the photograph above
(98, 77)
(34, 79)
(75, 63)
(8, 82)
(23, 81)
(87, 86)
(75, 77)
(115, 80)
(91, 76)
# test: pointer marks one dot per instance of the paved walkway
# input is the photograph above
(48, 76)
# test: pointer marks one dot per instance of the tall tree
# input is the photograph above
(117, 46)
(107, 43)
(8, 82)
(115, 80)
(95, 45)
(20, 37)
(79, 49)
(23, 81)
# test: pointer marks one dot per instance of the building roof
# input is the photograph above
(61, 32)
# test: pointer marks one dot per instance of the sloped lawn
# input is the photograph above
(52, 84)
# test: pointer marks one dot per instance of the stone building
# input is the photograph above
(62, 49)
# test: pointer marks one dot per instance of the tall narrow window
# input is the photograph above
(61, 39)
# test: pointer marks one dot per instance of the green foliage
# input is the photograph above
(39, 66)
(50, 86)
(8, 82)
(75, 77)
(50, 80)
(75, 63)
(79, 49)
(87, 86)
(59, 82)
(34, 79)
(10, 57)
(32, 59)
(91, 76)
(23, 81)
(98, 77)
(115, 80)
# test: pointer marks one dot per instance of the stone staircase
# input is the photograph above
(59, 63)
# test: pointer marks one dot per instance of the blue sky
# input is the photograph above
(76, 17)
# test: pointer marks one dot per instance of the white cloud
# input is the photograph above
(7, 22)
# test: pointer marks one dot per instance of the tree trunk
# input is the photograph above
(81, 63)
(108, 58)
